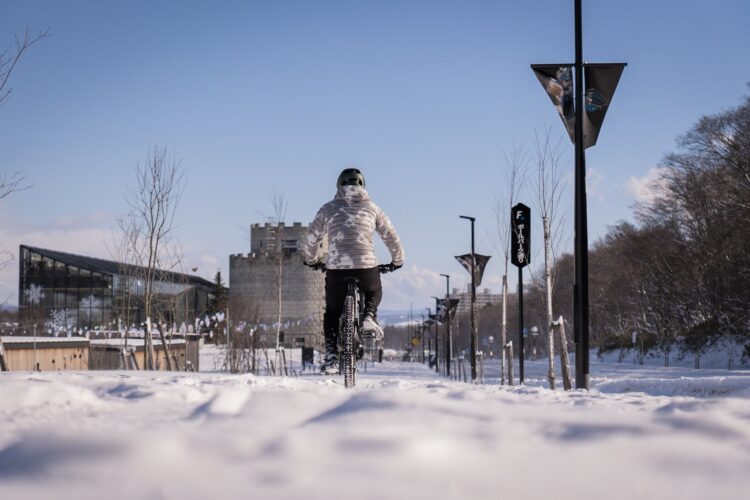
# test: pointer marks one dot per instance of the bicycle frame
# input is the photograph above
(350, 325)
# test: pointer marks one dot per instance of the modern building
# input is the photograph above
(61, 292)
(484, 298)
(254, 288)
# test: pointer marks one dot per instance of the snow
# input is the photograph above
(403, 432)
(22, 339)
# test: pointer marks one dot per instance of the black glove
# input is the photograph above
(318, 266)
(388, 268)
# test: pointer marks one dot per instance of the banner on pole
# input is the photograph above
(520, 235)
(601, 82)
(481, 263)
(447, 307)
(557, 80)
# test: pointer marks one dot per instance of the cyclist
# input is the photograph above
(342, 236)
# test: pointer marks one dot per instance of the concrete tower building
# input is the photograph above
(253, 291)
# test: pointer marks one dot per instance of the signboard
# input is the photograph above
(520, 238)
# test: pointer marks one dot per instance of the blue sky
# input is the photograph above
(424, 97)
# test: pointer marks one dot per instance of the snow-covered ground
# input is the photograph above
(401, 433)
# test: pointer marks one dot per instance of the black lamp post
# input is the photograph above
(448, 340)
(437, 344)
(601, 82)
(473, 345)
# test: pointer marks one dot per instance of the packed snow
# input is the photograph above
(403, 432)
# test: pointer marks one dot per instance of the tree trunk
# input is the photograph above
(148, 346)
(548, 284)
(509, 347)
(3, 363)
(164, 345)
(564, 363)
(504, 333)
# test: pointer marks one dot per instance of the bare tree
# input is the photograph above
(549, 186)
(153, 205)
(505, 198)
(279, 206)
(12, 183)
(9, 58)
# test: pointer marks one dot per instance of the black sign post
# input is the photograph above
(520, 256)
(582, 110)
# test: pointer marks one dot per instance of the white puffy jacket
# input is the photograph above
(349, 222)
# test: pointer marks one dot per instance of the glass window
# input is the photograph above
(61, 275)
(72, 277)
(84, 281)
(48, 273)
(59, 298)
(96, 316)
(35, 265)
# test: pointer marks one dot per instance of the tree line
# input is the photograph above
(678, 275)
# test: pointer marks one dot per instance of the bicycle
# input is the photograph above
(350, 325)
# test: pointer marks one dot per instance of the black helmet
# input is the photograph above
(350, 177)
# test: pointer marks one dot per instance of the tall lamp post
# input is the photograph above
(473, 345)
(448, 340)
(583, 128)
(437, 344)
(429, 340)
(421, 343)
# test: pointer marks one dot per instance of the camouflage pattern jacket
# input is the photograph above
(348, 223)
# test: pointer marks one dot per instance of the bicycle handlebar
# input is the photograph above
(382, 268)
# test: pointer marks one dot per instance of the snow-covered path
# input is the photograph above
(402, 433)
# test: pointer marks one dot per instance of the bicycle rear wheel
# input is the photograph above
(348, 351)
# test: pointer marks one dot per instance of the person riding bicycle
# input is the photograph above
(348, 223)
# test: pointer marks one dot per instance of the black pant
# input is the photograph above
(336, 288)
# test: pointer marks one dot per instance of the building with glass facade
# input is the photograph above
(68, 292)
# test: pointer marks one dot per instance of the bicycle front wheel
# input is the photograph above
(348, 354)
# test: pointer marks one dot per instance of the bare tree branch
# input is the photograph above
(9, 59)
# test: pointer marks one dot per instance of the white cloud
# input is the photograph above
(647, 188)
(411, 284)
(418, 285)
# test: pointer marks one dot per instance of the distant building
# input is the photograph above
(484, 298)
(73, 292)
(253, 291)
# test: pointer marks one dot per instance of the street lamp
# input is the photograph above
(570, 98)
(437, 344)
(426, 326)
(448, 340)
(473, 303)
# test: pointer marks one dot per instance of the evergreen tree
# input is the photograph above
(220, 300)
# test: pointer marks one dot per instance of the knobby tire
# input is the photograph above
(349, 362)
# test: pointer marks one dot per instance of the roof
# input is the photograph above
(111, 266)
(27, 342)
